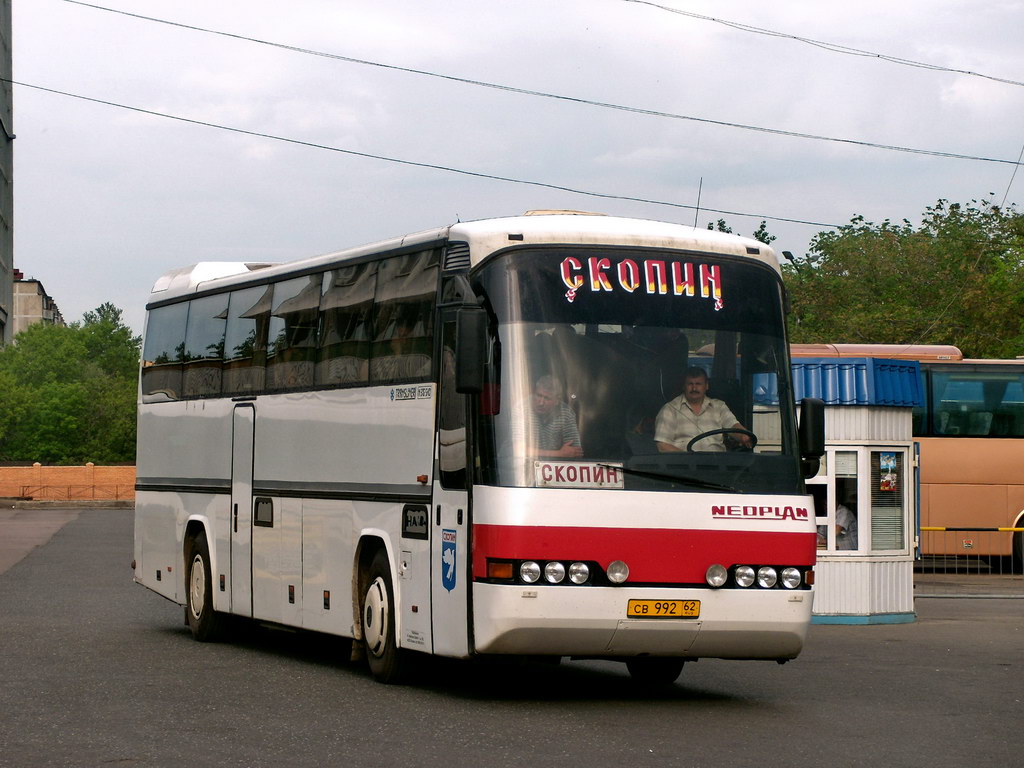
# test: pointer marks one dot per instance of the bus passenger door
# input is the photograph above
(243, 424)
(450, 546)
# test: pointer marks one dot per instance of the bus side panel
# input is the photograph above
(332, 449)
(161, 519)
(182, 446)
(277, 564)
(327, 565)
(185, 442)
(156, 542)
(348, 441)
(982, 492)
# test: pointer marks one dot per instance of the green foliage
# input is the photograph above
(69, 392)
(762, 234)
(958, 278)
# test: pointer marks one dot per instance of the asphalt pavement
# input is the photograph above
(97, 671)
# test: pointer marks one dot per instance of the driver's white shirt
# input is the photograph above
(678, 424)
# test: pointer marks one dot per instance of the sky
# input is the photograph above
(107, 198)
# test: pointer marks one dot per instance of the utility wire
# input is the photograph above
(571, 99)
(833, 47)
(1012, 176)
(413, 163)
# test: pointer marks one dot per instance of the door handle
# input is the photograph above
(236, 518)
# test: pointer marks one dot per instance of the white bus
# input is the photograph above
(347, 444)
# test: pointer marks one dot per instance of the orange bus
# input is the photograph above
(971, 432)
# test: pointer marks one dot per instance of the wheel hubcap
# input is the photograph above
(197, 587)
(375, 617)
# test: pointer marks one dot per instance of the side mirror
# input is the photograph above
(812, 434)
(470, 350)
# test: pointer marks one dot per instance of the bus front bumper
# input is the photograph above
(592, 621)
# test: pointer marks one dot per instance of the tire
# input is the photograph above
(654, 670)
(206, 624)
(385, 658)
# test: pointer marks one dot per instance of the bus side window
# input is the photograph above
(245, 340)
(403, 318)
(343, 356)
(292, 337)
(204, 346)
(163, 352)
(451, 417)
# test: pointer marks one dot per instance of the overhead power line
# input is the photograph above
(571, 99)
(413, 163)
(1012, 177)
(833, 47)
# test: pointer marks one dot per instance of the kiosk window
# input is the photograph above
(887, 492)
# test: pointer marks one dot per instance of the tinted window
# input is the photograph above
(977, 401)
(346, 330)
(291, 350)
(164, 350)
(403, 318)
(204, 346)
(245, 343)
(451, 416)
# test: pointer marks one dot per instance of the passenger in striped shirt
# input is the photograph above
(552, 423)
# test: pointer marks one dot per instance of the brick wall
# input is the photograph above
(88, 482)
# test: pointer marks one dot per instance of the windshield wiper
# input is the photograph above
(696, 482)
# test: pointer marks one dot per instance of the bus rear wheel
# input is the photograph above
(383, 655)
(654, 670)
(205, 623)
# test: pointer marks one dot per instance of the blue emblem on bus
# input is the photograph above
(448, 551)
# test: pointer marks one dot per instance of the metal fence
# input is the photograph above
(970, 562)
(78, 492)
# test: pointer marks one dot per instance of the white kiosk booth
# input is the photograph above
(866, 488)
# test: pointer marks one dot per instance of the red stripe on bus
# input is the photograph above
(654, 555)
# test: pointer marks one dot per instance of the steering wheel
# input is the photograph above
(710, 432)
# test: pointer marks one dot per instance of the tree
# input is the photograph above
(958, 278)
(761, 233)
(69, 392)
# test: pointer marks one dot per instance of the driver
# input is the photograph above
(693, 413)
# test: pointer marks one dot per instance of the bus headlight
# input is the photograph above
(579, 573)
(791, 578)
(554, 572)
(767, 577)
(744, 576)
(618, 572)
(716, 575)
(529, 572)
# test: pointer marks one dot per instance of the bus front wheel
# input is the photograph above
(654, 670)
(378, 617)
(205, 623)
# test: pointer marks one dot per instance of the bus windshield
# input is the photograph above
(590, 353)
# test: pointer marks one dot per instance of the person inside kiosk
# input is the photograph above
(845, 519)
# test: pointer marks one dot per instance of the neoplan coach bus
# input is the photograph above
(345, 444)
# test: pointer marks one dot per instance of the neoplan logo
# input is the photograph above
(760, 512)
